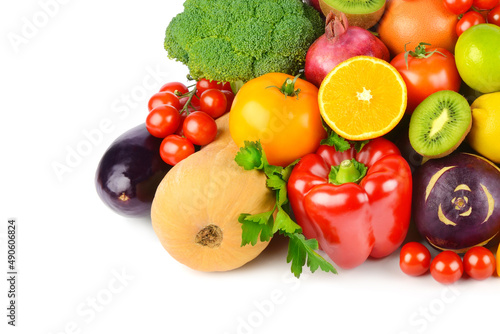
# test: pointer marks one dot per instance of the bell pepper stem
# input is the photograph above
(347, 171)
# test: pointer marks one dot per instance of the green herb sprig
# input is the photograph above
(263, 226)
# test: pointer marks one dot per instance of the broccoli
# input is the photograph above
(238, 40)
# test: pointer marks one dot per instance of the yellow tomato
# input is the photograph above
(281, 112)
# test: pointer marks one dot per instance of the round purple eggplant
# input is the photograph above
(130, 171)
(456, 201)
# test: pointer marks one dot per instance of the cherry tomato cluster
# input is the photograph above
(185, 118)
(447, 267)
(473, 12)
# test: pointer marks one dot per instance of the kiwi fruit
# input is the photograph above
(439, 124)
(359, 13)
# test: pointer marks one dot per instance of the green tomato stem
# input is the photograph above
(190, 96)
(420, 52)
(288, 87)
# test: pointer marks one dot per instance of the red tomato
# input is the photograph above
(469, 19)
(204, 84)
(213, 102)
(447, 267)
(414, 259)
(162, 98)
(183, 116)
(484, 4)
(479, 263)
(425, 76)
(458, 6)
(229, 97)
(163, 121)
(494, 16)
(172, 87)
(174, 149)
(199, 128)
(226, 86)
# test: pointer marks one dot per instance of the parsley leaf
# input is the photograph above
(336, 141)
(275, 182)
(300, 249)
(263, 225)
(358, 145)
(284, 223)
(288, 170)
(253, 226)
(250, 157)
(341, 144)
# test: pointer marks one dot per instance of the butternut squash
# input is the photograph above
(196, 207)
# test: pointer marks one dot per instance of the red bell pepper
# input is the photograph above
(353, 215)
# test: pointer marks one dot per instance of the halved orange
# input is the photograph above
(362, 98)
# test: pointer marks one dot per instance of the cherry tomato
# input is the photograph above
(213, 102)
(172, 87)
(174, 149)
(447, 267)
(199, 128)
(424, 76)
(183, 116)
(484, 4)
(204, 84)
(226, 86)
(163, 121)
(469, 19)
(414, 259)
(229, 97)
(458, 6)
(494, 16)
(162, 98)
(498, 260)
(479, 263)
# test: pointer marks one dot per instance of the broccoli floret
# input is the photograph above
(238, 40)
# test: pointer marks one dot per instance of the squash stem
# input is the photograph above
(209, 236)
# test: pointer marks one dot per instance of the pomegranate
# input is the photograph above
(340, 42)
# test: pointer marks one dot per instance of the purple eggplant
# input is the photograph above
(130, 171)
(456, 201)
(411, 156)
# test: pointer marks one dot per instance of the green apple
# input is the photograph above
(477, 55)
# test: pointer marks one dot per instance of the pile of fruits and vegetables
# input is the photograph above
(336, 124)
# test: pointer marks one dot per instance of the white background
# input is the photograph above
(64, 79)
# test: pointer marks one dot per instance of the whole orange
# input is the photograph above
(415, 21)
